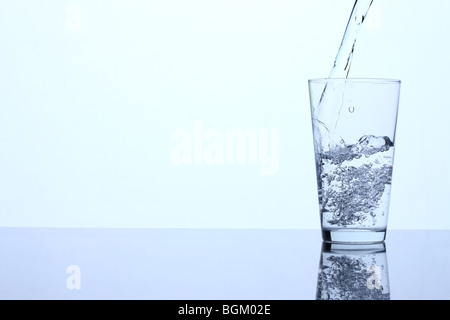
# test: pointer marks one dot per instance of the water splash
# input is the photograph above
(355, 183)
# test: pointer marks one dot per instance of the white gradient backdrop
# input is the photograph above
(93, 94)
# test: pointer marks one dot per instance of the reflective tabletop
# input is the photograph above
(204, 264)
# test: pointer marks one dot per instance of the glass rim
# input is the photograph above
(355, 80)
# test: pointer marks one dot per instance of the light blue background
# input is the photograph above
(91, 93)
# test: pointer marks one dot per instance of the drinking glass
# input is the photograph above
(354, 124)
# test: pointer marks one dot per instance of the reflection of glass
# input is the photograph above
(353, 272)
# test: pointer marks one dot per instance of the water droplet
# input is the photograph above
(351, 109)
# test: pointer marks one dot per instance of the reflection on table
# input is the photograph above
(353, 272)
(188, 264)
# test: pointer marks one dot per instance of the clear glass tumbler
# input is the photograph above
(354, 124)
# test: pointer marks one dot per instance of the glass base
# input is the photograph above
(354, 236)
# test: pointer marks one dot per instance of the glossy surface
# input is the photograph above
(200, 264)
